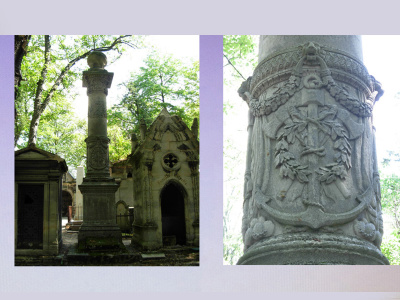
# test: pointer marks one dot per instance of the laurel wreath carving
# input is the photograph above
(286, 161)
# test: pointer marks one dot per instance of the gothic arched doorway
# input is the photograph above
(173, 213)
(66, 201)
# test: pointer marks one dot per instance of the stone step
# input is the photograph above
(74, 225)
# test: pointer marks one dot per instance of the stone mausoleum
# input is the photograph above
(165, 171)
(38, 201)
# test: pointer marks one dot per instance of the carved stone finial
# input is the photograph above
(143, 129)
(195, 127)
(97, 60)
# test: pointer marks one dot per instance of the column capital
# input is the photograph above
(97, 80)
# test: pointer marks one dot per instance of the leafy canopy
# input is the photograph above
(163, 82)
(43, 103)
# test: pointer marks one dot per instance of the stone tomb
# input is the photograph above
(166, 184)
(122, 172)
(38, 186)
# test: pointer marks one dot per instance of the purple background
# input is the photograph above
(211, 276)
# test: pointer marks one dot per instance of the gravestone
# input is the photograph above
(122, 172)
(312, 193)
(123, 217)
(78, 208)
(68, 194)
(99, 230)
(38, 186)
(165, 175)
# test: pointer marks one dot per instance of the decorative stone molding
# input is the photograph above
(167, 156)
(97, 151)
(309, 167)
(280, 64)
(170, 162)
(97, 81)
(311, 55)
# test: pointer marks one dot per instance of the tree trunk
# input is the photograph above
(40, 104)
(20, 49)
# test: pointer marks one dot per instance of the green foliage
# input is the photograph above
(47, 91)
(240, 55)
(163, 82)
(240, 59)
(233, 249)
(120, 145)
(391, 246)
(240, 49)
(61, 133)
(390, 200)
(31, 69)
(390, 197)
(233, 199)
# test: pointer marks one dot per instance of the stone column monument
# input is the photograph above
(99, 229)
(312, 193)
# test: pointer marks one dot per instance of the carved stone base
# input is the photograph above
(100, 237)
(313, 249)
(99, 230)
(145, 236)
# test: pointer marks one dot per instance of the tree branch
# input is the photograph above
(43, 74)
(72, 63)
(234, 67)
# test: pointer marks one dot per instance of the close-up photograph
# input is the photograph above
(312, 169)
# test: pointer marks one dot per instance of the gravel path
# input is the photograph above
(174, 255)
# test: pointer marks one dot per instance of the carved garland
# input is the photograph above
(285, 160)
(293, 84)
(336, 59)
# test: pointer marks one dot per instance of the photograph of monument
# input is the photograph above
(312, 187)
(110, 177)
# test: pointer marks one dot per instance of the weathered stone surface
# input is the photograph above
(38, 185)
(79, 197)
(312, 192)
(99, 229)
(166, 184)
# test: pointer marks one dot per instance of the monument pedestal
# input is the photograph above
(146, 237)
(99, 230)
(313, 249)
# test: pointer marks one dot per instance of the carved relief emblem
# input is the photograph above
(98, 157)
(305, 168)
(308, 134)
(97, 149)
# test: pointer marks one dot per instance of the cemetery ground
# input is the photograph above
(68, 256)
